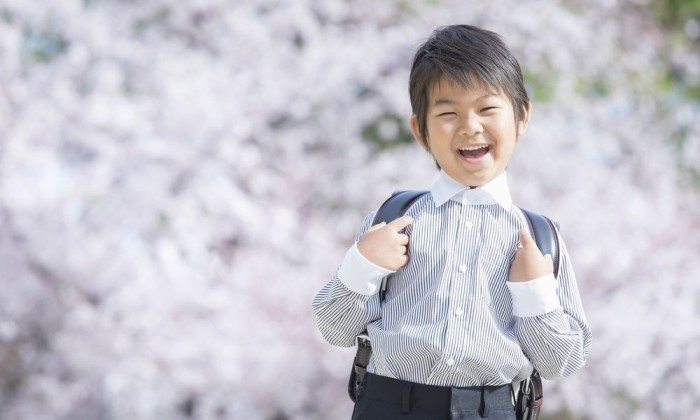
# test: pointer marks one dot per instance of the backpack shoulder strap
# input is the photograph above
(544, 230)
(393, 208)
(396, 205)
(530, 393)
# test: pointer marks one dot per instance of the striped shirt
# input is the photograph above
(450, 316)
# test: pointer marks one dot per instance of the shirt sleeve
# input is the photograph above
(555, 337)
(359, 274)
(349, 301)
(535, 297)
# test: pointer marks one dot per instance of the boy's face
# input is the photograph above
(471, 131)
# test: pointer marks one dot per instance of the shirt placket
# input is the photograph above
(460, 265)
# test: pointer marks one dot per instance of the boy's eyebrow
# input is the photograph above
(448, 101)
(442, 101)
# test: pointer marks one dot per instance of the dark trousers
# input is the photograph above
(385, 398)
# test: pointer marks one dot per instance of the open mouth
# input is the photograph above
(474, 152)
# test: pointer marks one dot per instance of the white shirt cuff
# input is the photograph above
(360, 275)
(534, 297)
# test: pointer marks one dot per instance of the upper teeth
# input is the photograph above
(474, 147)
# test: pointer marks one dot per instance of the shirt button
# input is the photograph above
(450, 362)
(469, 225)
(459, 312)
(462, 268)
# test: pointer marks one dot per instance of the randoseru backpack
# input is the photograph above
(528, 394)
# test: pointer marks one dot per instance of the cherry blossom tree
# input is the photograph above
(177, 180)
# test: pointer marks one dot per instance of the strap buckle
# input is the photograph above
(362, 340)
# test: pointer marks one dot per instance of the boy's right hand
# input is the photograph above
(384, 245)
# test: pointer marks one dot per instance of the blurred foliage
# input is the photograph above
(386, 132)
(676, 13)
(540, 87)
(43, 46)
(628, 403)
(7, 16)
(681, 18)
(158, 17)
(562, 414)
(595, 87)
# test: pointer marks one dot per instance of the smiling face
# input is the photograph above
(471, 131)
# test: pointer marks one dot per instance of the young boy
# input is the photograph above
(472, 305)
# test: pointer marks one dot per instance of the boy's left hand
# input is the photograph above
(529, 263)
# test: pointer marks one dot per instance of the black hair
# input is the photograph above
(468, 56)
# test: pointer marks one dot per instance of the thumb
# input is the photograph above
(527, 241)
(550, 261)
(377, 226)
(525, 238)
(401, 222)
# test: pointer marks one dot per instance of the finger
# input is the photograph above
(403, 239)
(525, 238)
(400, 223)
(549, 263)
(377, 226)
(403, 250)
(403, 260)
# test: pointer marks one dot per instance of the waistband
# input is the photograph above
(437, 398)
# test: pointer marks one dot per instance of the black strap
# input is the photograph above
(359, 366)
(393, 208)
(530, 397)
(396, 205)
(545, 233)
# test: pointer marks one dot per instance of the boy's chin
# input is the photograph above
(473, 174)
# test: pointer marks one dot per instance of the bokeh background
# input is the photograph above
(179, 178)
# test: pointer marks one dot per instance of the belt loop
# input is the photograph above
(406, 398)
(483, 407)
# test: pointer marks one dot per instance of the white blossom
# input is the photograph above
(177, 180)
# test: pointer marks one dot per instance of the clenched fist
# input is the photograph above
(384, 245)
(529, 263)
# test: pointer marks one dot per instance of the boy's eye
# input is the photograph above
(488, 108)
(446, 114)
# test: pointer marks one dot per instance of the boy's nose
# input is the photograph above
(470, 126)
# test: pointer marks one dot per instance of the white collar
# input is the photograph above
(495, 191)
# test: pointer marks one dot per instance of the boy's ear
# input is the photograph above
(524, 121)
(416, 133)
